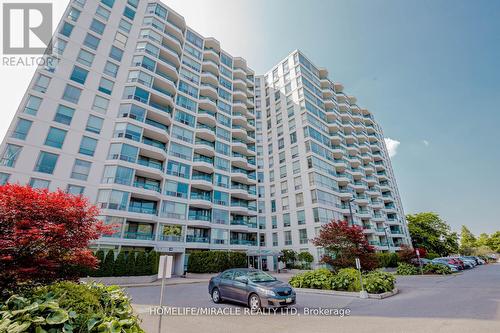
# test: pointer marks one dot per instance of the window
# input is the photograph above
(75, 189)
(41, 83)
(64, 115)
(111, 69)
(275, 239)
(121, 39)
(293, 138)
(32, 105)
(108, 3)
(81, 169)
(186, 103)
(74, 14)
(10, 155)
(85, 58)
(286, 220)
(173, 210)
(87, 146)
(72, 94)
(184, 118)
(112, 199)
(100, 104)
(296, 167)
(129, 13)
(303, 236)
(66, 29)
(91, 41)
(117, 175)
(80, 3)
(22, 128)
(116, 53)
(194, 39)
(288, 237)
(79, 75)
(299, 199)
(94, 124)
(102, 13)
(176, 189)
(178, 169)
(39, 183)
(4, 178)
(297, 182)
(46, 162)
(133, 3)
(301, 217)
(180, 151)
(125, 26)
(55, 137)
(188, 89)
(106, 86)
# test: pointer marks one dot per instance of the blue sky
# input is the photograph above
(428, 70)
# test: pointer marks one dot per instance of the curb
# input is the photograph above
(353, 294)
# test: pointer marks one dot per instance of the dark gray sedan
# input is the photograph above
(253, 287)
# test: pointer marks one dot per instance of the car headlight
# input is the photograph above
(266, 292)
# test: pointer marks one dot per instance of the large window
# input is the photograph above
(118, 175)
(178, 169)
(88, 146)
(112, 199)
(22, 128)
(176, 189)
(55, 137)
(10, 155)
(180, 151)
(94, 124)
(97, 26)
(175, 210)
(81, 170)
(64, 115)
(91, 41)
(85, 58)
(32, 105)
(46, 162)
(116, 53)
(79, 75)
(72, 94)
(41, 83)
(106, 86)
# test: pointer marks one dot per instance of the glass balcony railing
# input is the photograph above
(200, 196)
(150, 164)
(138, 235)
(207, 178)
(203, 159)
(197, 239)
(243, 242)
(161, 107)
(204, 143)
(156, 124)
(150, 187)
(142, 210)
(170, 238)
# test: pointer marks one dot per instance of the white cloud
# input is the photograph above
(392, 146)
(426, 143)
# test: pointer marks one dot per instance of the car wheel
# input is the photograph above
(254, 302)
(216, 295)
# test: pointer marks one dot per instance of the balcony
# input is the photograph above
(243, 242)
(138, 235)
(170, 238)
(142, 210)
(149, 187)
(197, 239)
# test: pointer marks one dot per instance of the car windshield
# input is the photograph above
(259, 276)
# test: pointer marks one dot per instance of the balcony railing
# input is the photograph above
(196, 239)
(170, 238)
(138, 235)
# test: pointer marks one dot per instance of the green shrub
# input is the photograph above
(120, 268)
(130, 263)
(107, 267)
(432, 255)
(306, 259)
(387, 259)
(346, 279)
(141, 264)
(317, 279)
(100, 257)
(215, 261)
(69, 307)
(436, 269)
(377, 282)
(406, 269)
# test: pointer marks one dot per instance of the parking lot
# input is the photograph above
(469, 299)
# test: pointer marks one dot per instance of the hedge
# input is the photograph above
(125, 264)
(215, 261)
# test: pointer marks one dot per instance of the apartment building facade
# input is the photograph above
(169, 136)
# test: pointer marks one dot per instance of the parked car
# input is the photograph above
(478, 260)
(469, 263)
(423, 261)
(453, 268)
(252, 287)
(458, 261)
(448, 261)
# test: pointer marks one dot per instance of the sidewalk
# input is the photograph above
(148, 281)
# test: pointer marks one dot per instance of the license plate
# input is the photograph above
(289, 300)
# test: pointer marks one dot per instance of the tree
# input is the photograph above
(306, 258)
(120, 265)
(45, 235)
(141, 264)
(289, 257)
(107, 266)
(493, 241)
(343, 243)
(429, 231)
(130, 263)
(467, 240)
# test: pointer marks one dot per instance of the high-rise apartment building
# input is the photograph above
(183, 148)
